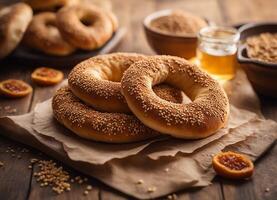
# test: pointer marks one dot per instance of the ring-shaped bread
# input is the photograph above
(49, 5)
(86, 26)
(207, 113)
(14, 21)
(94, 125)
(43, 35)
(96, 81)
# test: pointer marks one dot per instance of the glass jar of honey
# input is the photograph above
(216, 52)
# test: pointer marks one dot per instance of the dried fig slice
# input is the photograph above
(233, 165)
(47, 76)
(15, 88)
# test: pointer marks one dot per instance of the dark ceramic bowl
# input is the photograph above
(167, 44)
(262, 75)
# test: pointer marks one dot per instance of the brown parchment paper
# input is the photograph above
(167, 174)
(78, 148)
(98, 153)
(165, 164)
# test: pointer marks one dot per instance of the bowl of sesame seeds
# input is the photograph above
(257, 55)
(173, 32)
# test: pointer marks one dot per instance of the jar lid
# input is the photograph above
(219, 34)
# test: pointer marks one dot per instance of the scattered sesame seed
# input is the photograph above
(85, 192)
(140, 181)
(89, 187)
(1, 164)
(151, 189)
(267, 189)
(33, 160)
(166, 169)
(172, 197)
(30, 167)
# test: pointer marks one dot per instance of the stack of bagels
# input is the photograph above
(127, 97)
(59, 27)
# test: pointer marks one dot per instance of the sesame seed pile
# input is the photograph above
(178, 23)
(54, 176)
(50, 174)
(47, 172)
(263, 47)
(209, 102)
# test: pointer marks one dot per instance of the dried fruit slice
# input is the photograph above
(15, 88)
(233, 165)
(47, 76)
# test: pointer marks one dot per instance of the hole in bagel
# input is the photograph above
(58, 7)
(51, 24)
(2, 36)
(87, 21)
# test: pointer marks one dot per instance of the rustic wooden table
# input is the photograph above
(18, 182)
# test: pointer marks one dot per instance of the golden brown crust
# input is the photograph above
(113, 19)
(94, 125)
(49, 5)
(86, 26)
(15, 88)
(96, 81)
(14, 21)
(207, 112)
(47, 76)
(43, 35)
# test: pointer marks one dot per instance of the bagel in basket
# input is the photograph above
(86, 26)
(44, 36)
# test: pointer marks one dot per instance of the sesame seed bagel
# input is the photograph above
(96, 81)
(86, 26)
(94, 125)
(43, 35)
(14, 21)
(49, 5)
(207, 113)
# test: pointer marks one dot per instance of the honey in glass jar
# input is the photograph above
(216, 52)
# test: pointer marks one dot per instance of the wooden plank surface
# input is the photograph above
(236, 12)
(14, 175)
(18, 182)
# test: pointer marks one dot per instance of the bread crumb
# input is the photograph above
(89, 187)
(151, 189)
(140, 181)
